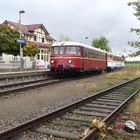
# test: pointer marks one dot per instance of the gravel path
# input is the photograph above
(19, 107)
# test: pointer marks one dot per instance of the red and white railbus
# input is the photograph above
(76, 57)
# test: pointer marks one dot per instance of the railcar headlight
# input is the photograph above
(52, 61)
(70, 61)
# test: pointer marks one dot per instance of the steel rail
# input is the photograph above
(23, 83)
(29, 87)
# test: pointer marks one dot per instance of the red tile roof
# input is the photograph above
(27, 29)
(32, 27)
(17, 25)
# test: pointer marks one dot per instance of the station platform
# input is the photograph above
(6, 72)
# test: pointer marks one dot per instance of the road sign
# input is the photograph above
(21, 41)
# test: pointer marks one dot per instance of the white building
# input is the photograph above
(36, 34)
(133, 59)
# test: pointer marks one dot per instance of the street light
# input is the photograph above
(21, 49)
(86, 37)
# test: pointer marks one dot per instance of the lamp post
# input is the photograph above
(86, 37)
(21, 49)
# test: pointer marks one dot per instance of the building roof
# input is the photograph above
(40, 44)
(27, 29)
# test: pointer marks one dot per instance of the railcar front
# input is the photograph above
(66, 58)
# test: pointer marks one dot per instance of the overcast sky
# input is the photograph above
(77, 19)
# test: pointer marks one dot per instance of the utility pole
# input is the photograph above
(86, 37)
(21, 49)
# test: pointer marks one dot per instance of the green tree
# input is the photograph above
(8, 42)
(135, 44)
(30, 49)
(101, 43)
(64, 38)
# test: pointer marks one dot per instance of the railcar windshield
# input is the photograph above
(72, 50)
(65, 50)
(54, 50)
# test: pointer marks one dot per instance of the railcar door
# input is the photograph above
(82, 59)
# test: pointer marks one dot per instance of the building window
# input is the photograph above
(43, 40)
(34, 38)
(1, 58)
(14, 58)
(38, 56)
(42, 58)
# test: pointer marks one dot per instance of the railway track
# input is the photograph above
(25, 82)
(72, 121)
(22, 86)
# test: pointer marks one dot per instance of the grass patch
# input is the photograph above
(92, 88)
(135, 106)
(89, 86)
(110, 82)
(85, 81)
(124, 74)
(132, 65)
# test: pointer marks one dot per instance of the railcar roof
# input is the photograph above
(71, 43)
(114, 54)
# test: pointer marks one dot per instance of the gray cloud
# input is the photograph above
(77, 18)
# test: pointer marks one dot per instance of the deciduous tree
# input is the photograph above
(64, 38)
(101, 43)
(8, 38)
(135, 44)
(30, 49)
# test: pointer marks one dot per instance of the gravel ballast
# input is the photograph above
(20, 107)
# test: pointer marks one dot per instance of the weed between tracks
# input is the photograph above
(93, 88)
(89, 86)
(135, 106)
